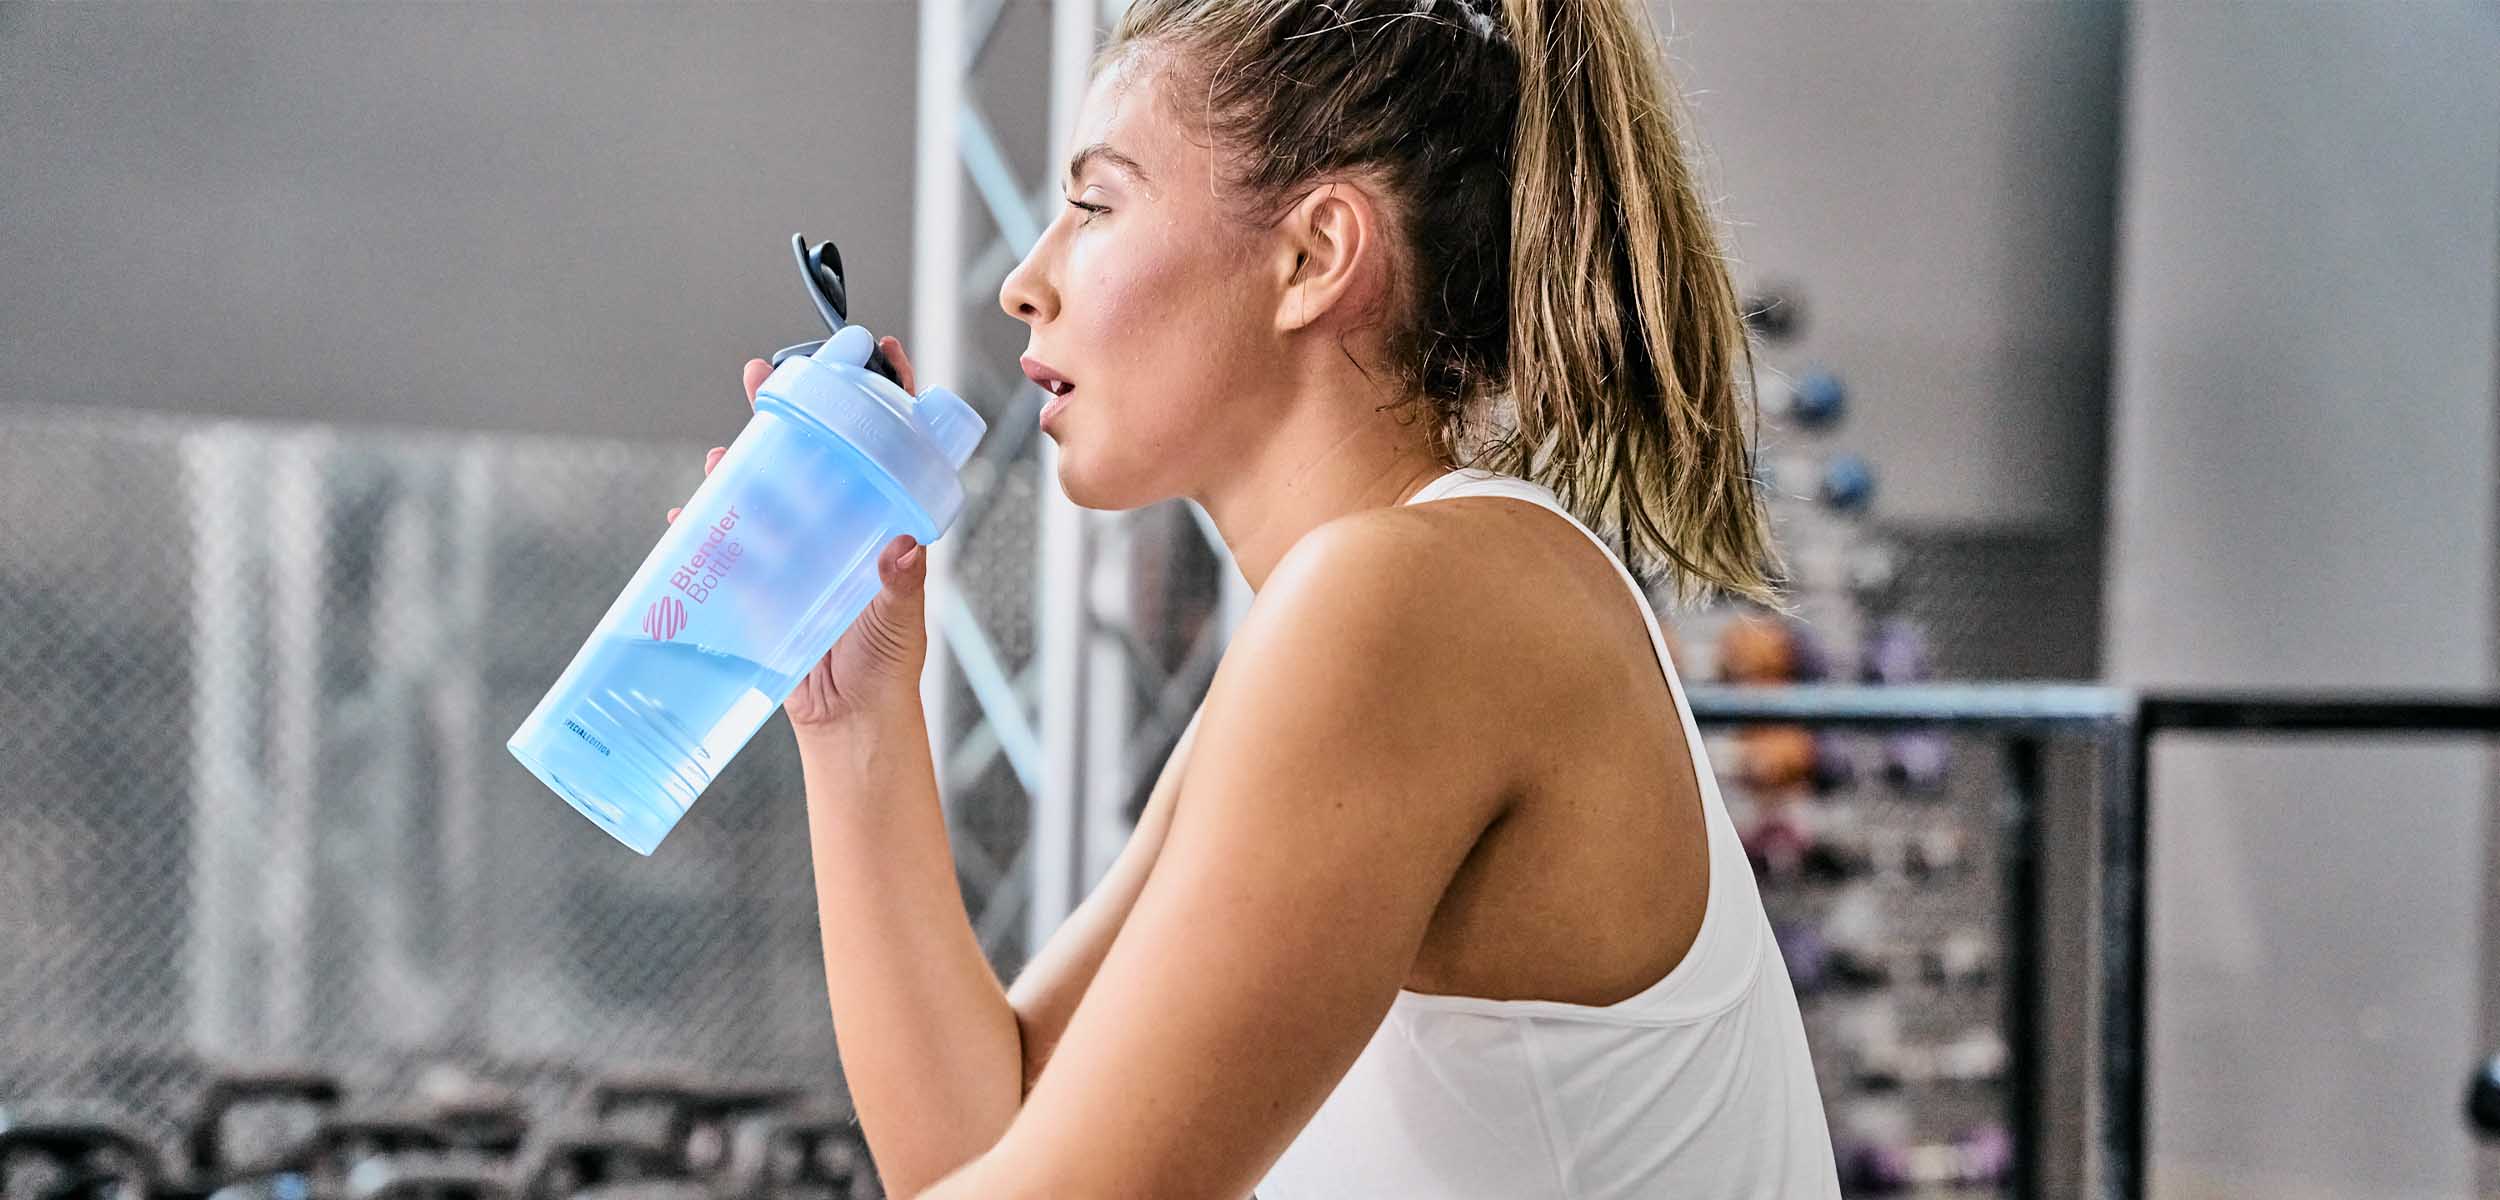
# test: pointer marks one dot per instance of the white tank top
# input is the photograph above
(1697, 1088)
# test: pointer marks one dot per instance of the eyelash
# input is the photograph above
(1090, 210)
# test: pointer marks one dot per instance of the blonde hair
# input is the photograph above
(1566, 285)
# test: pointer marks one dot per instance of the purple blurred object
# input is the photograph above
(1801, 947)
(1835, 767)
(1810, 661)
(1898, 653)
(1916, 760)
(1872, 1168)
(1986, 1153)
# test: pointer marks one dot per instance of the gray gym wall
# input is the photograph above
(2303, 497)
(568, 218)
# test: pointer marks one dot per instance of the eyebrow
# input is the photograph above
(1103, 151)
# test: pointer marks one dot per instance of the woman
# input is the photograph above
(1437, 897)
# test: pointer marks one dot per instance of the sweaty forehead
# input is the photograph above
(1124, 108)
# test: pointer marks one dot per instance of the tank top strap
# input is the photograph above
(1723, 959)
(1476, 481)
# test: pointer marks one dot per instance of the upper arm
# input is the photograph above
(1328, 803)
(1047, 990)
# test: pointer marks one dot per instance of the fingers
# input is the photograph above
(672, 515)
(757, 371)
(893, 348)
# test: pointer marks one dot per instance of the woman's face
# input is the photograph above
(1151, 299)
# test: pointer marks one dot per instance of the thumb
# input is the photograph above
(895, 625)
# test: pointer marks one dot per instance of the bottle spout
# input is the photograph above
(849, 345)
(951, 423)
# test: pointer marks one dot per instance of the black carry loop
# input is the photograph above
(821, 269)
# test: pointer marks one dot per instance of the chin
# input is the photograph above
(1105, 487)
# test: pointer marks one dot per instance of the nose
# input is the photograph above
(1026, 295)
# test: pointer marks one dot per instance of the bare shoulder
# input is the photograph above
(1416, 632)
(1491, 595)
(1485, 566)
(1363, 678)
(1412, 581)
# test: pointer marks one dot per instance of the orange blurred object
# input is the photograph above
(1776, 756)
(1756, 649)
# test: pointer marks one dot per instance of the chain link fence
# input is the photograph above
(259, 809)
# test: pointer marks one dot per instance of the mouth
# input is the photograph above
(1045, 378)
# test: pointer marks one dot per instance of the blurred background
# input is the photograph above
(351, 353)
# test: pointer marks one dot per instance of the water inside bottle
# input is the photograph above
(631, 757)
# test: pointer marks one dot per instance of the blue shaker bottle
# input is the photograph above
(774, 556)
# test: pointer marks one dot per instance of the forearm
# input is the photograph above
(929, 1045)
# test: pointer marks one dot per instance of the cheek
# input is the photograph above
(1140, 288)
(1168, 315)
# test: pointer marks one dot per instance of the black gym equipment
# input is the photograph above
(89, 1155)
(2482, 1099)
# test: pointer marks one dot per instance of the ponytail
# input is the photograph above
(1629, 361)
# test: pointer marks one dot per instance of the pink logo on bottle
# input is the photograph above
(665, 619)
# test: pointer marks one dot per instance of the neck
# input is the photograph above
(1322, 464)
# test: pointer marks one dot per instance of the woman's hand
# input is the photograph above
(874, 667)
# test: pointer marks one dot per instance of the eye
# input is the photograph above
(1090, 210)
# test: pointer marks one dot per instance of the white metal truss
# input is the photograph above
(1088, 718)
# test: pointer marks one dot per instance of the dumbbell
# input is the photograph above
(1917, 761)
(1783, 845)
(1802, 948)
(1773, 313)
(1813, 399)
(1873, 567)
(1859, 967)
(697, 1115)
(1978, 1056)
(1757, 648)
(569, 1161)
(1869, 1168)
(1979, 1157)
(1809, 659)
(1897, 652)
(1775, 842)
(1776, 757)
(431, 1177)
(1835, 763)
(811, 1153)
(1936, 854)
(1848, 483)
(83, 1153)
(648, 1189)
(1984, 1156)
(344, 1142)
(1818, 400)
(489, 1126)
(208, 1163)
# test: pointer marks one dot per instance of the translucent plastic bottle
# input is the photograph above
(771, 560)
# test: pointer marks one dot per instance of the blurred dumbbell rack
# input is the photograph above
(1875, 852)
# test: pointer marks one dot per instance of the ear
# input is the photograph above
(1332, 257)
